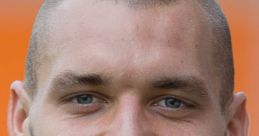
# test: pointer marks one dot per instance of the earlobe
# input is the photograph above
(18, 109)
(237, 117)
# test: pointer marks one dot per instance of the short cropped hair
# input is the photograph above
(222, 46)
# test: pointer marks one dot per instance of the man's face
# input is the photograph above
(113, 70)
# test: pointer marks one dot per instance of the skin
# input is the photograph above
(129, 61)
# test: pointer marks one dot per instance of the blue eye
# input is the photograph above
(83, 99)
(83, 103)
(171, 103)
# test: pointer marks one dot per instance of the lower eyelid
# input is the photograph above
(82, 109)
(172, 113)
(71, 105)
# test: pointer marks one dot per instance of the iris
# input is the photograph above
(84, 99)
(172, 103)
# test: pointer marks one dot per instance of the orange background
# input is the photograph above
(16, 19)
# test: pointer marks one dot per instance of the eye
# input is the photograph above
(173, 108)
(83, 104)
(171, 103)
(84, 99)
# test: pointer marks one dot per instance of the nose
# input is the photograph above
(129, 118)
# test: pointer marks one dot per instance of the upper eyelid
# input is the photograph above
(185, 104)
(74, 97)
(70, 96)
(184, 100)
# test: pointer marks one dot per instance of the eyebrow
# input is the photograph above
(72, 79)
(187, 84)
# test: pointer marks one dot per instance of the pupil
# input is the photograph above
(84, 99)
(173, 103)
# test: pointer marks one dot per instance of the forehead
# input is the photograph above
(127, 44)
(96, 36)
(78, 22)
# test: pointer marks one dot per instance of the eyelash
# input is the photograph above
(70, 97)
(186, 103)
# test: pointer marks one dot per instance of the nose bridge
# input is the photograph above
(129, 118)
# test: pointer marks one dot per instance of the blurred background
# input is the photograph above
(17, 16)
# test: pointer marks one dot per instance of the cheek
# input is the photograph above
(157, 126)
(193, 131)
(50, 121)
(62, 126)
(207, 124)
(189, 129)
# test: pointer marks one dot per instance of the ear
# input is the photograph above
(18, 109)
(237, 116)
